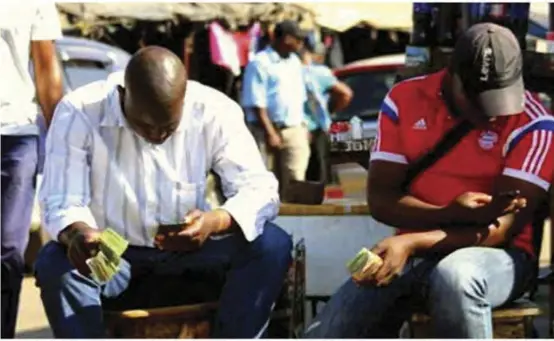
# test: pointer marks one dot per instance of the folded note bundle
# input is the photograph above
(361, 260)
(105, 264)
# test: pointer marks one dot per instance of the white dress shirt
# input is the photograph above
(97, 170)
(20, 23)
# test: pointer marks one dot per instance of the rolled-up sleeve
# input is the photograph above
(64, 195)
(251, 190)
(254, 86)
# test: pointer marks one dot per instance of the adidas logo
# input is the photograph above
(420, 125)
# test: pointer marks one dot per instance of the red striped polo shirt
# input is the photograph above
(413, 118)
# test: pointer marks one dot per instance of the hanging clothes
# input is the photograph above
(255, 34)
(242, 39)
(223, 48)
(334, 57)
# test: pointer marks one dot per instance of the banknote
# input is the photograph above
(359, 261)
(105, 264)
(112, 245)
(101, 268)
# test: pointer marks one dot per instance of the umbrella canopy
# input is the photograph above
(161, 11)
(340, 16)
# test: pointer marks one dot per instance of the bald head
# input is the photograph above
(155, 75)
(155, 84)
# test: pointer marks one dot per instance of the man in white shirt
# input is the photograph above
(132, 154)
(26, 30)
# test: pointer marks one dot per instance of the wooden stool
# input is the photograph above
(183, 322)
(194, 321)
(512, 321)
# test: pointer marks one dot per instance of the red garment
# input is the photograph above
(412, 120)
(243, 44)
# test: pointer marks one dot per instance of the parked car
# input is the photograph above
(370, 81)
(85, 61)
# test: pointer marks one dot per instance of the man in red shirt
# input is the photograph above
(465, 245)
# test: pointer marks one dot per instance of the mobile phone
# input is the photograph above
(510, 194)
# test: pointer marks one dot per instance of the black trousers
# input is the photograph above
(19, 167)
(319, 167)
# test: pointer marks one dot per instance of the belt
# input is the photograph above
(281, 125)
(278, 125)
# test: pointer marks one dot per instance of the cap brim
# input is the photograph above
(300, 34)
(503, 102)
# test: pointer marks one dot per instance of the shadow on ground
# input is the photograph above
(42, 333)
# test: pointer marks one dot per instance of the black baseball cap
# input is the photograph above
(289, 27)
(488, 60)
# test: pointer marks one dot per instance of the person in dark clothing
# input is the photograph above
(322, 88)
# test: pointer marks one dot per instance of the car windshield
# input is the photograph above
(369, 88)
(83, 72)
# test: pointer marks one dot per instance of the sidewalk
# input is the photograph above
(31, 322)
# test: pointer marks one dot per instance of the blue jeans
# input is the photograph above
(459, 291)
(19, 167)
(251, 274)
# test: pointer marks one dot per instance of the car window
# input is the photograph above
(369, 88)
(80, 72)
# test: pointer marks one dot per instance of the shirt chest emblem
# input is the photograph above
(421, 124)
(488, 139)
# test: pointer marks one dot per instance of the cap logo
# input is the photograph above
(486, 66)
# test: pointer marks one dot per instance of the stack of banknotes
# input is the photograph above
(363, 258)
(105, 264)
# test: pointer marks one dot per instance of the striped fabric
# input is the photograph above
(541, 128)
(100, 172)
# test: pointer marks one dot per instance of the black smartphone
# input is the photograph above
(510, 194)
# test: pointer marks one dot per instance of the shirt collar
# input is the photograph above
(274, 56)
(434, 89)
(113, 115)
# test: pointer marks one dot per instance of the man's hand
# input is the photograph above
(480, 209)
(274, 140)
(82, 243)
(193, 233)
(394, 251)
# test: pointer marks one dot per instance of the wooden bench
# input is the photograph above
(182, 322)
(195, 321)
(512, 321)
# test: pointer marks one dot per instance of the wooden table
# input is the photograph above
(339, 208)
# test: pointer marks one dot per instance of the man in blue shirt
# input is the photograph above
(273, 97)
(325, 93)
